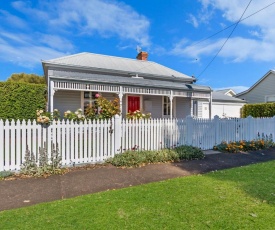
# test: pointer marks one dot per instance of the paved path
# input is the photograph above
(25, 192)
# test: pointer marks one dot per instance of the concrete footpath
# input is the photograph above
(25, 192)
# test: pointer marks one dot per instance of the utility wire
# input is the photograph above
(204, 39)
(231, 25)
(236, 24)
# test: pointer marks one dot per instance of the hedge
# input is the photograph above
(258, 110)
(20, 100)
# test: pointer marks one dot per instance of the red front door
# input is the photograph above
(133, 103)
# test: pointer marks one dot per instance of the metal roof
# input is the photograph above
(117, 64)
(129, 81)
(218, 96)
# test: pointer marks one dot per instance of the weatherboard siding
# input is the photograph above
(67, 100)
(156, 108)
(183, 107)
(260, 91)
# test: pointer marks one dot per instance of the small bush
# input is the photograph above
(132, 158)
(46, 166)
(5, 174)
(187, 152)
(245, 146)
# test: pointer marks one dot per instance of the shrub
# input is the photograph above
(258, 110)
(46, 165)
(46, 117)
(136, 115)
(244, 146)
(187, 152)
(20, 100)
(74, 116)
(102, 108)
(5, 174)
(132, 158)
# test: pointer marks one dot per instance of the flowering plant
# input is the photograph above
(138, 115)
(44, 117)
(102, 108)
(75, 116)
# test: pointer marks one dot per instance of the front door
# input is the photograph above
(133, 103)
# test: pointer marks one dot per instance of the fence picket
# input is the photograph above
(94, 141)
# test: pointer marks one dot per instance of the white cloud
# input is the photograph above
(22, 50)
(45, 29)
(107, 18)
(9, 19)
(256, 44)
(56, 42)
(192, 20)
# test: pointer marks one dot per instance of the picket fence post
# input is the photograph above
(117, 135)
(250, 134)
(189, 129)
(1, 145)
(217, 129)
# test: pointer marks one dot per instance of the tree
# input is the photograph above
(27, 78)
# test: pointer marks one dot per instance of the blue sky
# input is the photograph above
(31, 31)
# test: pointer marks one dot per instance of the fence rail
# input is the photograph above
(95, 141)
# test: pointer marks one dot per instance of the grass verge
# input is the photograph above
(240, 198)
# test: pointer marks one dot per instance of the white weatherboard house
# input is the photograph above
(142, 85)
(262, 91)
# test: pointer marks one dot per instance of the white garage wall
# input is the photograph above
(226, 109)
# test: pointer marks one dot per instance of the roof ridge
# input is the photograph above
(105, 55)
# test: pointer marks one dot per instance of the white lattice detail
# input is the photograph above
(136, 90)
(87, 87)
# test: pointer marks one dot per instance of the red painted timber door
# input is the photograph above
(133, 103)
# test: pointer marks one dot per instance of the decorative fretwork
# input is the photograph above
(125, 89)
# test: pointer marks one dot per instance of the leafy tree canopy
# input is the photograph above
(27, 78)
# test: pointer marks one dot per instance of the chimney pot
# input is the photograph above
(142, 56)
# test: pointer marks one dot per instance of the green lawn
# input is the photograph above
(241, 198)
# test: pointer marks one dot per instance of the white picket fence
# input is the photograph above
(95, 141)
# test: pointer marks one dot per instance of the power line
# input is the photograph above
(236, 24)
(231, 25)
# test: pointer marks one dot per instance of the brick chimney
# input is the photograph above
(142, 56)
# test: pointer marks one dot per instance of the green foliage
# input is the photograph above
(27, 78)
(46, 117)
(187, 152)
(258, 110)
(103, 108)
(136, 115)
(133, 158)
(244, 146)
(74, 116)
(5, 174)
(20, 100)
(46, 165)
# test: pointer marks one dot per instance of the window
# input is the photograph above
(166, 106)
(89, 99)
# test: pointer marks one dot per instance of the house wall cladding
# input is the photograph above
(183, 107)
(264, 88)
(67, 100)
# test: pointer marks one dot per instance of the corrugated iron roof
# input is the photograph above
(218, 96)
(125, 65)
